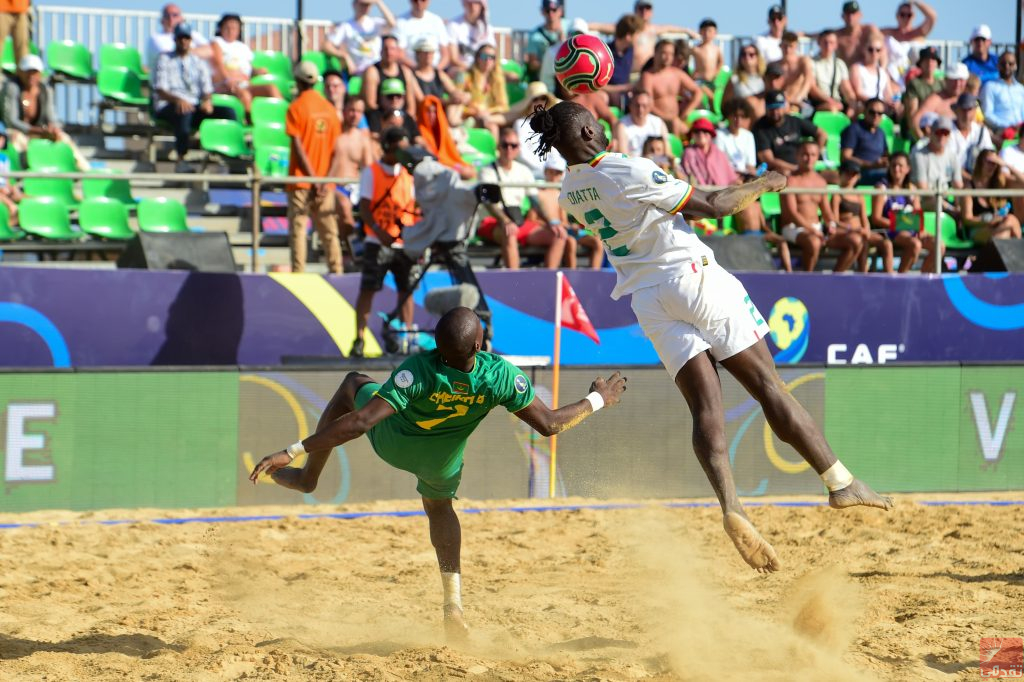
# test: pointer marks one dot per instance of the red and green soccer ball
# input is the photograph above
(583, 64)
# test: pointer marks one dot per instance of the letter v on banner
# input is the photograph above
(992, 439)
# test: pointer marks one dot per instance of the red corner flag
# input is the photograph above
(573, 315)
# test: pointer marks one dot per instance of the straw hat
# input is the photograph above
(534, 90)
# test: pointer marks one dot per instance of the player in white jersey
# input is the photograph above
(692, 310)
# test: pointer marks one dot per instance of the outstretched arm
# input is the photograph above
(548, 422)
(732, 200)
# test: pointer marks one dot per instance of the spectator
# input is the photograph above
(392, 112)
(547, 66)
(433, 81)
(769, 45)
(597, 104)
(657, 151)
(831, 89)
(548, 35)
(982, 61)
(164, 41)
(1013, 155)
(621, 47)
(485, 87)
(506, 226)
(352, 153)
(869, 78)
(646, 40)
(777, 135)
(670, 88)
(15, 21)
(989, 218)
(920, 88)
(390, 68)
(933, 164)
(969, 138)
(941, 103)
(554, 172)
(387, 206)
(797, 73)
(747, 83)
(736, 140)
(1002, 99)
(232, 64)
(357, 42)
(469, 33)
(537, 94)
(437, 137)
(10, 195)
(901, 38)
(864, 143)
(851, 36)
(707, 58)
(313, 127)
(900, 216)
(635, 127)
(851, 213)
(419, 22)
(803, 216)
(28, 110)
(335, 91)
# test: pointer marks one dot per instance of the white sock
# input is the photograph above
(836, 477)
(452, 584)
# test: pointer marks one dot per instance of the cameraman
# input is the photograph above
(387, 206)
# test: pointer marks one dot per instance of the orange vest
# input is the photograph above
(392, 204)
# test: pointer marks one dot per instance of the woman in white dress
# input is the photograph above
(870, 79)
(232, 64)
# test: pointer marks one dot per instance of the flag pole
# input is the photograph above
(557, 360)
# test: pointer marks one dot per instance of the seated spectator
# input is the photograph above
(621, 47)
(28, 110)
(10, 195)
(437, 137)
(419, 22)
(1002, 99)
(778, 135)
(707, 58)
(485, 87)
(831, 89)
(674, 94)
(537, 94)
(969, 138)
(982, 61)
(546, 36)
(392, 112)
(182, 89)
(554, 172)
(507, 226)
(797, 72)
(635, 127)
(657, 151)
(1014, 157)
(769, 44)
(162, 42)
(902, 36)
(870, 79)
(989, 218)
(900, 216)
(736, 140)
(469, 32)
(851, 212)
(357, 42)
(807, 219)
(335, 90)
(388, 68)
(433, 81)
(747, 81)
(864, 143)
(232, 64)
(920, 88)
(934, 166)
(941, 103)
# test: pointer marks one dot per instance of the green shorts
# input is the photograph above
(436, 464)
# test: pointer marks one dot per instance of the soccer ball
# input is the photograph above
(583, 64)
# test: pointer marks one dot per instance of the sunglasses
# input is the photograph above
(749, 54)
(487, 55)
(394, 95)
(509, 145)
(874, 49)
(942, 132)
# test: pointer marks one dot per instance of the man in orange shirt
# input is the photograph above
(14, 23)
(313, 126)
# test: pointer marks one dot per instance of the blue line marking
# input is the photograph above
(41, 325)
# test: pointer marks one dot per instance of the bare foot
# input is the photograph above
(858, 493)
(455, 629)
(288, 477)
(754, 549)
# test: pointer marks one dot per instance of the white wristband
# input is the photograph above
(595, 400)
(836, 477)
(296, 450)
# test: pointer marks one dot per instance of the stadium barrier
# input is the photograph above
(180, 439)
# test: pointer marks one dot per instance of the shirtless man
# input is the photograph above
(797, 70)
(851, 35)
(804, 214)
(708, 58)
(597, 104)
(352, 152)
(645, 44)
(941, 103)
(667, 85)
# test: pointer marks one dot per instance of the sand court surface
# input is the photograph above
(645, 592)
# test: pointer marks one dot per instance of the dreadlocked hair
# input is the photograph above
(551, 125)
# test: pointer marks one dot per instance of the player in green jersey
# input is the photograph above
(419, 421)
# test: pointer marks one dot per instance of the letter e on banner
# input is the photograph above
(18, 441)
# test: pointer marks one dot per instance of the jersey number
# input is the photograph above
(596, 219)
(458, 411)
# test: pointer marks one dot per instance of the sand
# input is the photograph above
(646, 593)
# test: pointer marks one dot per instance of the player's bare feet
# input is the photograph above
(754, 549)
(858, 494)
(288, 477)
(455, 629)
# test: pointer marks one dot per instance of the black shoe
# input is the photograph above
(357, 349)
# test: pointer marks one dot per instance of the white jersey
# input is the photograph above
(633, 206)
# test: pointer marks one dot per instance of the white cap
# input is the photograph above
(30, 62)
(981, 31)
(579, 25)
(957, 72)
(555, 162)
(425, 43)
(928, 119)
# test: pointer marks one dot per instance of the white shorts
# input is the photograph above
(791, 232)
(708, 309)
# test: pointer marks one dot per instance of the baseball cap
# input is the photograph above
(426, 43)
(30, 62)
(642, 4)
(929, 53)
(774, 70)
(966, 101)
(392, 86)
(981, 31)
(183, 30)
(943, 123)
(306, 72)
(705, 125)
(776, 11)
(957, 72)
(851, 7)
(849, 166)
(550, 4)
(579, 25)
(775, 99)
(928, 119)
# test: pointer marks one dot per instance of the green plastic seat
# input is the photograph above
(105, 218)
(223, 137)
(122, 56)
(121, 86)
(272, 161)
(70, 59)
(675, 144)
(269, 110)
(46, 218)
(833, 123)
(231, 102)
(722, 78)
(62, 191)
(162, 215)
(276, 63)
(13, 159)
(270, 135)
(8, 233)
(483, 141)
(947, 231)
(322, 61)
(105, 183)
(7, 61)
(515, 91)
(513, 68)
(46, 155)
(355, 85)
(284, 85)
(703, 113)
(607, 128)
(771, 204)
(616, 111)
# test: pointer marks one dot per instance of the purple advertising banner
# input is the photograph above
(91, 318)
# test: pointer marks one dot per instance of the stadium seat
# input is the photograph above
(121, 56)
(47, 218)
(272, 161)
(7, 62)
(322, 61)
(355, 85)
(607, 128)
(771, 204)
(947, 232)
(55, 157)
(833, 123)
(269, 110)
(887, 125)
(105, 218)
(162, 215)
(231, 102)
(13, 159)
(276, 63)
(8, 233)
(70, 59)
(513, 68)
(616, 111)
(675, 145)
(516, 92)
(722, 78)
(52, 188)
(223, 137)
(703, 113)
(270, 135)
(105, 183)
(285, 85)
(483, 141)
(121, 86)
